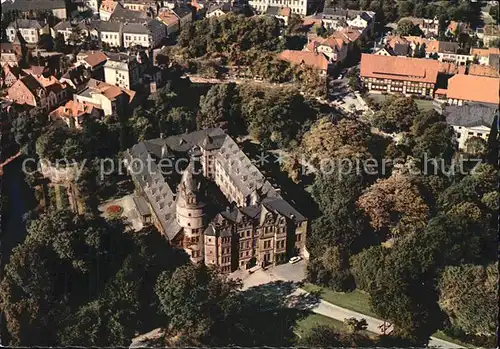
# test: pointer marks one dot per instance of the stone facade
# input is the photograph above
(258, 228)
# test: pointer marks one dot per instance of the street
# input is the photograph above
(295, 273)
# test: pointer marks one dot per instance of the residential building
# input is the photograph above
(471, 120)
(29, 29)
(483, 54)
(10, 74)
(111, 33)
(93, 5)
(125, 15)
(76, 77)
(74, 114)
(10, 53)
(140, 5)
(430, 27)
(456, 28)
(107, 8)
(82, 28)
(261, 228)
(108, 99)
(23, 7)
(170, 20)
(184, 13)
(282, 13)
(148, 35)
(334, 48)
(315, 60)
(470, 88)
(337, 18)
(299, 7)
(483, 70)
(124, 70)
(409, 76)
(218, 10)
(445, 51)
(489, 34)
(46, 93)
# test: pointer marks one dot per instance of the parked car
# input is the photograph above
(295, 259)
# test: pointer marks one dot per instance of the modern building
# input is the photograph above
(260, 227)
(470, 120)
(409, 76)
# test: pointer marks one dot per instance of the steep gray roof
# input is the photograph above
(330, 12)
(470, 115)
(124, 15)
(24, 5)
(105, 26)
(26, 23)
(273, 10)
(135, 28)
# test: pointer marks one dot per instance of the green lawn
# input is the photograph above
(304, 326)
(423, 104)
(360, 301)
(356, 300)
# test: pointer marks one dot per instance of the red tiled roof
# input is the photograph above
(474, 88)
(96, 58)
(485, 52)
(399, 68)
(72, 109)
(311, 59)
(483, 70)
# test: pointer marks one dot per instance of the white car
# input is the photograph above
(295, 259)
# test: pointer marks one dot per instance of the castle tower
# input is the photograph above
(190, 213)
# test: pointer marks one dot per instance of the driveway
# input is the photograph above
(295, 273)
(129, 211)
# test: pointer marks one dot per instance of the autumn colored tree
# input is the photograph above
(395, 206)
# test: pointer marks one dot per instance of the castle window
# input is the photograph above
(299, 237)
(189, 224)
(189, 214)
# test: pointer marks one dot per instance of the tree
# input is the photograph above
(405, 27)
(396, 114)
(494, 12)
(395, 206)
(199, 303)
(219, 108)
(354, 325)
(59, 43)
(295, 24)
(476, 146)
(45, 42)
(326, 139)
(366, 265)
(404, 293)
(405, 8)
(25, 130)
(469, 296)
(82, 280)
(321, 336)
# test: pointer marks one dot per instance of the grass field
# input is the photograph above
(360, 302)
(304, 326)
(356, 300)
(423, 104)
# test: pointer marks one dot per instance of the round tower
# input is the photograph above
(190, 213)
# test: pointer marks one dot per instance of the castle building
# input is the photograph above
(258, 227)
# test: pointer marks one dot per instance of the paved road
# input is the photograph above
(296, 273)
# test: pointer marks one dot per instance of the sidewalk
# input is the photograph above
(335, 312)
